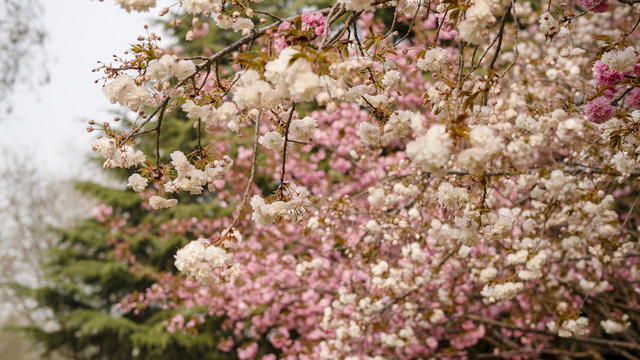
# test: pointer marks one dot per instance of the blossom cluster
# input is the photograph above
(207, 262)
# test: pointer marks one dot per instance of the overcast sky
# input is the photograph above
(49, 122)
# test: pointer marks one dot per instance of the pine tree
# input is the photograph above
(89, 274)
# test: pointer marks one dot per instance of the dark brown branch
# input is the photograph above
(493, 42)
(524, 352)
(580, 339)
(198, 129)
(435, 41)
(459, 80)
(158, 129)
(204, 81)
(575, 168)
(503, 22)
(277, 18)
(617, 100)
(286, 138)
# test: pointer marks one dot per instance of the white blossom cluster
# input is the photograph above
(487, 274)
(499, 292)
(411, 8)
(171, 65)
(357, 5)
(369, 134)
(117, 157)
(272, 141)
(124, 91)
(467, 230)
(558, 183)
(200, 258)
(391, 79)
(570, 327)
(303, 267)
(210, 115)
(294, 203)
(243, 25)
(345, 70)
(533, 268)
(485, 145)
(549, 25)
(292, 79)
(191, 179)
(433, 60)
(449, 196)
(432, 150)
(620, 60)
(399, 125)
(595, 287)
(156, 202)
(199, 6)
(136, 5)
(252, 92)
(301, 130)
(477, 17)
(614, 327)
(137, 183)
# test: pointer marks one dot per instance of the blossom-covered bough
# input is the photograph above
(455, 178)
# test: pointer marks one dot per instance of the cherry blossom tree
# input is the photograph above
(406, 179)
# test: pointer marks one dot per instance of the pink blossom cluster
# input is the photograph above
(612, 84)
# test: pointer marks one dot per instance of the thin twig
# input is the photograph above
(503, 22)
(251, 176)
(632, 30)
(347, 24)
(286, 137)
(199, 136)
(413, 21)
(626, 219)
(158, 128)
(616, 100)
(435, 41)
(583, 13)
(459, 84)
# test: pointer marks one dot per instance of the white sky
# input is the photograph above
(48, 123)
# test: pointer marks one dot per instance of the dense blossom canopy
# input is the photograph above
(451, 178)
